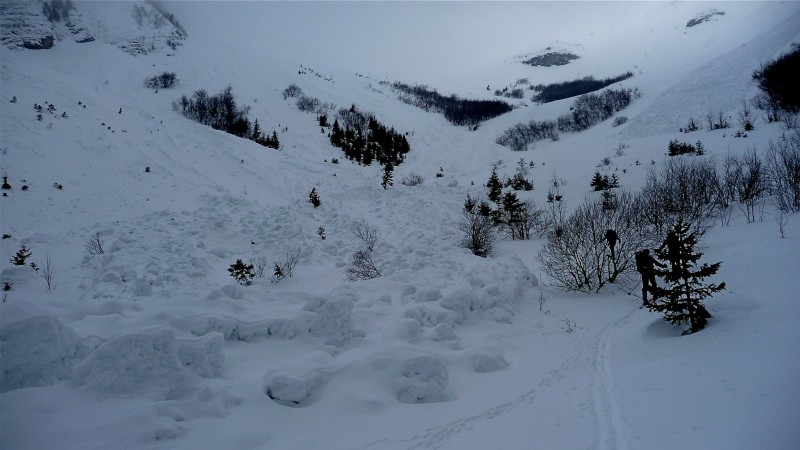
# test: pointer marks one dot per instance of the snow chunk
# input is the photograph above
(203, 355)
(443, 332)
(36, 348)
(334, 320)
(149, 362)
(291, 391)
(425, 380)
(485, 361)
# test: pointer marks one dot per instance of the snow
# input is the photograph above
(153, 344)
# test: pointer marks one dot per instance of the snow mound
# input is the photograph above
(495, 291)
(329, 320)
(424, 380)
(152, 363)
(486, 360)
(289, 390)
(36, 348)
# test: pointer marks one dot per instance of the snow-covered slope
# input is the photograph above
(152, 344)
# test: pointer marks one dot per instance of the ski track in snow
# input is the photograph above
(610, 429)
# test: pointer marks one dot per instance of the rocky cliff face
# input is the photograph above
(135, 27)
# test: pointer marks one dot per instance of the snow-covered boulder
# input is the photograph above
(36, 348)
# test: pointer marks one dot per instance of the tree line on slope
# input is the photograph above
(221, 112)
(566, 89)
(587, 111)
(456, 110)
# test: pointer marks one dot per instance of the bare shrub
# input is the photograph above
(783, 165)
(683, 189)
(581, 255)
(48, 274)
(259, 266)
(412, 179)
(477, 228)
(745, 117)
(367, 232)
(752, 187)
(362, 267)
(285, 267)
(727, 179)
(94, 246)
(292, 91)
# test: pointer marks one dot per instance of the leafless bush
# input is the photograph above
(727, 180)
(259, 266)
(752, 187)
(683, 189)
(412, 179)
(478, 232)
(783, 163)
(578, 255)
(292, 91)
(781, 220)
(362, 267)
(285, 267)
(745, 116)
(48, 274)
(367, 233)
(94, 246)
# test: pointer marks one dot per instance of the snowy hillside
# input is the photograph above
(152, 344)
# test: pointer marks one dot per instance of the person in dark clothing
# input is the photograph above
(645, 264)
(611, 237)
(672, 244)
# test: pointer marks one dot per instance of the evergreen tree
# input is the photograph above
(256, 135)
(512, 216)
(681, 300)
(495, 187)
(337, 135)
(598, 183)
(387, 175)
(242, 272)
(313, 198)
(19, 258)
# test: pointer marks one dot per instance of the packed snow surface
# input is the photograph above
(151, 344)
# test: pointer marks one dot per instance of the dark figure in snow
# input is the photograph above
(612, 238)
(672, 244)
(645, 264)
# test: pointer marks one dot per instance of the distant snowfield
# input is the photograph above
(152, 345)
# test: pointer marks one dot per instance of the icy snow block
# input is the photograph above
(443, 332)
(135, 364)
(334, 320)
(36, 348)
(486, 361)
(425, 380)
(203, 355)
(289, 390)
